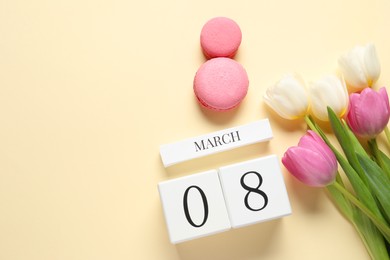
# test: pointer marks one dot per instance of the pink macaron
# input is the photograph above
(220, 37)
(221, 84)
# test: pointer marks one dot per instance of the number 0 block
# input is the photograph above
(194, 206)
(254, 191)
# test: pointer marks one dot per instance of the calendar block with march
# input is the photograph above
(254, 191)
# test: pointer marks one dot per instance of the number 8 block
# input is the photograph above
(254, 191)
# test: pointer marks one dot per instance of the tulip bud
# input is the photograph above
(312, 161)
(331, 92)
(288, 97)
(369, 112)
(360, 67)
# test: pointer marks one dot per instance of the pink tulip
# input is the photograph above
(369, 112)
(312, 161)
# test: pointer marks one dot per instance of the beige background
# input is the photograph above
(89, 90)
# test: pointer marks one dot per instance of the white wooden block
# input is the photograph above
(194, 206)
(254, 191)
(219, 141)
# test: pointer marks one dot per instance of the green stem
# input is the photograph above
(310, 124)
(343, 204)
(375, 151)
(381, 226)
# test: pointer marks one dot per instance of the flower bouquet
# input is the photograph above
(361, 189)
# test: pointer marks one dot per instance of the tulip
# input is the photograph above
(369, 112)
(288, 97)
(360, 67)
(331, 92)
(312, 161)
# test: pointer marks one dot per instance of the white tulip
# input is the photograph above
(360, 67)
(331, 92)
(288, 97)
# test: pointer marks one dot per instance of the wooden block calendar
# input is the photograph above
(214, 201)
(232, 196)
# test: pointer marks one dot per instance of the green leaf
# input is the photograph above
(367, 230)
(371, 236)
(378, 181)
(380, 157)
(386, 162)
(348, 142)
(356, 144)
(380, 223)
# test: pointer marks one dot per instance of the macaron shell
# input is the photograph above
(220, 37)
(221, 84)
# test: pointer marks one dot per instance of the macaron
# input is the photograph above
(221, 84)
(220, 37)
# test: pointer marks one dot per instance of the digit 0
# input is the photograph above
(205, 206)
(255, 190)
